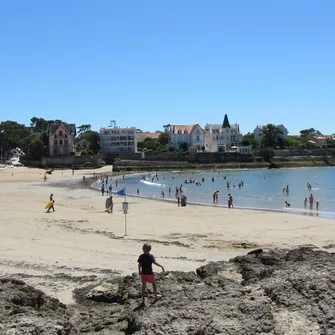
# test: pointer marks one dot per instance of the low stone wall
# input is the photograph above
(63, 162)
(300, 152)
(202, 157)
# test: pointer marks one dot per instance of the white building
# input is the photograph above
(61, 139)
(258, 132)
(221, 137)
(192, 135)
(116, 140)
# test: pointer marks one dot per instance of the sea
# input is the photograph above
(261, 190)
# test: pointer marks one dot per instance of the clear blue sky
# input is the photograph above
(150, 63)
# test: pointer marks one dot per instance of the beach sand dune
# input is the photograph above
(79, 242)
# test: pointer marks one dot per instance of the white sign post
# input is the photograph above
(125, 211)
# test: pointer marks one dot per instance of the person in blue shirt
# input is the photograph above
(145, 262)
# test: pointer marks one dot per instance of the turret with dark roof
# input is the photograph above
(225, 122)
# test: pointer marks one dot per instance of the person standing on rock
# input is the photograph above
(145, 262)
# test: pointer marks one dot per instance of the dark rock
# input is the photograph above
(277, 292)
(256, 251)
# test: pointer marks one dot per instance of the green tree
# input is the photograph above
(293, 142)
(249, 139)
(93, 138)
(12, 134)
(39, 125)
(183, 146)
(33, 146)
(84, 128)
(310, 132)
(163, 139)
(270, 135)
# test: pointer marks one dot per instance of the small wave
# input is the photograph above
(146, 182)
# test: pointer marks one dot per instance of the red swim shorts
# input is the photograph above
(148, 279)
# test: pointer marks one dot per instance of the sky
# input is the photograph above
(150, 63)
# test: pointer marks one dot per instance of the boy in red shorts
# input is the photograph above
(145, 262)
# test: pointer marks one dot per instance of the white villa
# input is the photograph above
(61, 139)
(258, 132)
(221, 137)
(192, 135)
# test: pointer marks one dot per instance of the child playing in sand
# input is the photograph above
(145, 262)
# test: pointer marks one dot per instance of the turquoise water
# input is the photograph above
(263, 189)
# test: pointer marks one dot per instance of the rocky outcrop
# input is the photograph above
(278, 292)
(24, 310)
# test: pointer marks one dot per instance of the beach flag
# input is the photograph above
(121, 192)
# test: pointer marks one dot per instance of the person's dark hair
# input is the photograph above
(146, 247)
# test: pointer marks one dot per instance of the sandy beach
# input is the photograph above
(79, 242)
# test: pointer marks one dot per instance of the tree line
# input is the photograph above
(33, 140)
(272, 136)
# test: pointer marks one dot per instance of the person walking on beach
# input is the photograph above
(177, 192)
(138, 191)
(317, 205)
(52, 206)
(169, 191)
(230, 201)
(103, 189)
(163, 194)
(107, 204)
(145, 262)
(305, 203)
(111, 205)
(214, 197)
(178, 200)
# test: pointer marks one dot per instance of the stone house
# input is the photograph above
(61, 139)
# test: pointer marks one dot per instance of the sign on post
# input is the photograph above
(125, 211)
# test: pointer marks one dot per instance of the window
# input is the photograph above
(66, 142)
(179, 131)
(65, 135)
(60, 142)
(131, 138)
(130, 132)
(198, 138)
(186, 131)
(55, 142)
(55, 136)
(60, 133)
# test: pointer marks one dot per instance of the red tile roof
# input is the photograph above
(189, 128)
